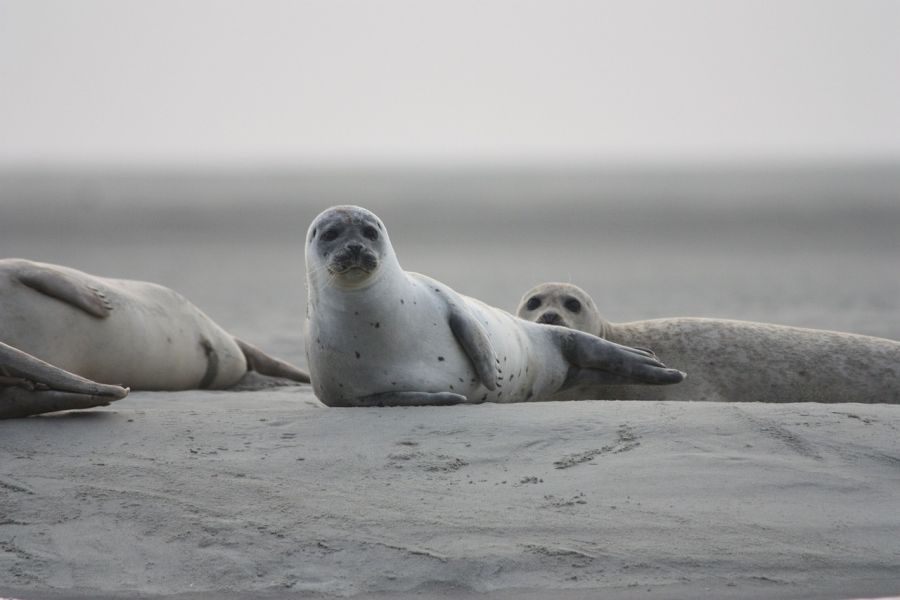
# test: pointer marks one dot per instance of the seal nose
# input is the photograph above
(550, 318)
(355, 248)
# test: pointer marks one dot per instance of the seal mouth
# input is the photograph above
(551, 318)
(346, 269)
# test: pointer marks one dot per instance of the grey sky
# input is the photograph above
(337, 80)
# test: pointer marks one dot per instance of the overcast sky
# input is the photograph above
(206, 81)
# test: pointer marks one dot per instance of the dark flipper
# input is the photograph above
(611, 363)
(262, 363)
(580, 376)
(411, 399)
(477, 346)
(82, 292)
(19, 402)
(29, 386)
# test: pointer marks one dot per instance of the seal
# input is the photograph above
(734, 361)
(380, 336)
(29, 386)
(115, 331)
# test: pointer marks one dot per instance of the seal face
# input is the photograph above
(561, 304)
(734, 361)
(378, 335)
(351, 245)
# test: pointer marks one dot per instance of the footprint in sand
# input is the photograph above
(626, 440)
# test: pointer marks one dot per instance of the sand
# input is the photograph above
(271, 494)
(268, 494)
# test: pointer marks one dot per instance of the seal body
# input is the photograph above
(116, 331)
(378, 335)
(732, 361)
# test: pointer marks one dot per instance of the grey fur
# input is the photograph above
(732, 361)
(134, 333)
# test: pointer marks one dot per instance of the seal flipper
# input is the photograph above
(29, 386)
(477, 346)
(581, 376)
(609, 362)
(411, 399)
(20, 402)
(262, 363)
(81, 292)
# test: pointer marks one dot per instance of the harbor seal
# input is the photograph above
(115, 331)
(734, 361)
(29, 386)
(380, 336)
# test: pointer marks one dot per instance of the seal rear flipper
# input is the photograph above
(411, 399)
(79, 291)
(20, 365)
(477, 346)
(262, 363)
(604, 357)
(20, 402)
(29, 386)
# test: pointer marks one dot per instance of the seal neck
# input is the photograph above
(606, 328)
(384, 282)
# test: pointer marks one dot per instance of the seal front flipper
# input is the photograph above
(580, 376)
(262, 363)
(611, 363)
(81, 292)
(411, 399)
(477, 346)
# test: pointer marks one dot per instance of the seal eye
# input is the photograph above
(329, 235)
(573, 305)
(370, 233)
(533, 303)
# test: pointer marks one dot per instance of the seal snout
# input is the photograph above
(353, 256)
(551, 317)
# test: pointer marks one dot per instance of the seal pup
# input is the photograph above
(29, 386)
(379, 336)
(116, 331)
(734, 361)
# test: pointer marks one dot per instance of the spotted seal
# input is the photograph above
(732, 361)
(115, 331)
(378, 335)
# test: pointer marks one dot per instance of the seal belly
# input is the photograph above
(400, 344)
(153, 338)
(170, 343)
(522, 356)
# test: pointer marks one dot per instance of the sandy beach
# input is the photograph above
(269, 494)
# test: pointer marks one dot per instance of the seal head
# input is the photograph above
(349, 245)
(562, 304)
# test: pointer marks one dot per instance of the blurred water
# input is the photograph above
(810, 247)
